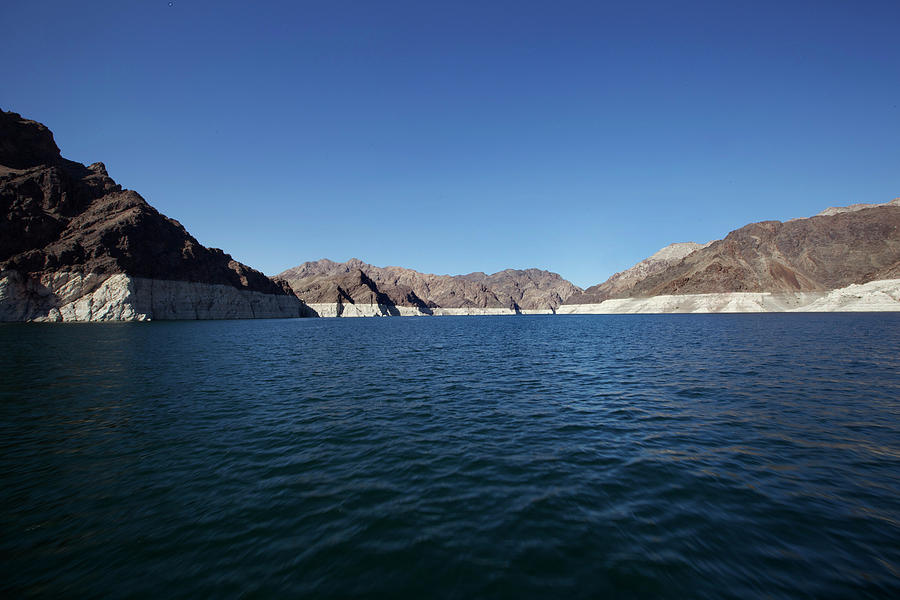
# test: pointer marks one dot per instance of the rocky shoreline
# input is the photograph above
(77, 247)
(78, 297)
(874, 296)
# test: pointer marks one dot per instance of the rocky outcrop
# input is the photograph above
(342, 289)
(75, 246)
(25, 143)
(874, 296)
(65, 296)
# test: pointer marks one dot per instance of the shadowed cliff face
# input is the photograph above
(837, 248)
(353, 286)
(60, 216)
(318, 282)
(25, 143)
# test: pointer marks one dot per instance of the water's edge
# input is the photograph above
(77, 297)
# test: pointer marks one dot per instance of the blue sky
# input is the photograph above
(453, 137)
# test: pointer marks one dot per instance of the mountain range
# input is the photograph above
(351, 285)
(75, 246)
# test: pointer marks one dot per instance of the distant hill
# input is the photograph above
(356, 282)
(623, 282)
(834, 249)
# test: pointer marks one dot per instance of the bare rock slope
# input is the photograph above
(817, 254)
(75, 246)
(622, 283)
(341, 287)
(791, 263)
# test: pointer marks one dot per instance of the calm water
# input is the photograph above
(550, 456)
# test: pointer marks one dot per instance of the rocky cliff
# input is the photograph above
(355, 287)
(75, 246)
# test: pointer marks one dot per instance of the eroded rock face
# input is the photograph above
(832, 250)
(815, 254)
(621, 284)
(64, 296)
(65, 221)
(78, 297)
(355, 282)
(874, 296)
(527, 289)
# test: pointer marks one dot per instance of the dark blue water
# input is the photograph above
(671, 456)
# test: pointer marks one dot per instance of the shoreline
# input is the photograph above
(77, 297)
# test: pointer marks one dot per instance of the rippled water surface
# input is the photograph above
(676, 456)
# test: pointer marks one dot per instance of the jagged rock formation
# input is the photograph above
(348, 291)
(782, 266)
(342, 289)
(75, 246)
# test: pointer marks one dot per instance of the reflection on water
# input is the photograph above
(677, 456)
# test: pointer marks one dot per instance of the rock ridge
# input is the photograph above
(354, 281)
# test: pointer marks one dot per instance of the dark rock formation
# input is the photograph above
(25, 143)
(60, 216)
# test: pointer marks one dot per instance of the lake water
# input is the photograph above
(679, 456)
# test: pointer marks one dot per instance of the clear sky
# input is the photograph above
(452, 137)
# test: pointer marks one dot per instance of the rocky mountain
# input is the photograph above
(808, 257)
(355, 283)
(820, 253)
(621, 284)
(74, 245)
(530, 289)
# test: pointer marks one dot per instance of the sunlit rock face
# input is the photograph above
(622, 283)
(400, 291)
(75, 246)
(76, 297)
(801, 259)
(874, 296)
